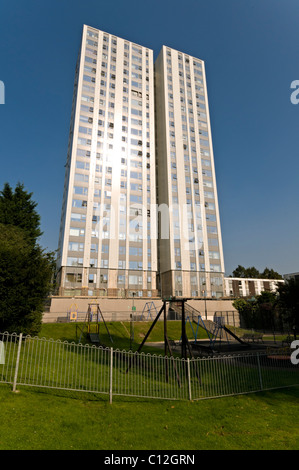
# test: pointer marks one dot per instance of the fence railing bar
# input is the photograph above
(111, 375)
(61, 365)
(259, 369)
(17, 364)
(189, 379)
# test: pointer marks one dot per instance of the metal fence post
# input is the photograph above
(189, 379)
(111, 375)
(17, 364)
(260, 372)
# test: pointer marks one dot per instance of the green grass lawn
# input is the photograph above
(120, 333)
(278, 337)
(49, 420)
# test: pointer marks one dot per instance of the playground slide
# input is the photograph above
(233, 335)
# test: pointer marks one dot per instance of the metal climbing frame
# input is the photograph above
(149, 306)
(199, 322)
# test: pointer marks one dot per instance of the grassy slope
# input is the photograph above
(120, 332)
(48, 420)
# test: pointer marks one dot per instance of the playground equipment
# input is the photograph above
(92, 324)
(167, 346)
(184, 340)
(215, 331)
(200, 322)
(72, 314)
(219, 336)
(220, 331)
(149, 307)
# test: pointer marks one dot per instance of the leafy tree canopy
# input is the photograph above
(25, 279)
(288, 302)
(254, 273)
(18, 209)
(25, 269)
(280, 308)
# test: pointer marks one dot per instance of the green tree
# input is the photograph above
(18, 209)
(26, 270)
(253, 273)
(246, 311)
(270, 274)
(25, 281)
(288, 303)
(240, 271)
(265, 311)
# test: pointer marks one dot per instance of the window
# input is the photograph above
(213, 242)
(80, 190)
(206, 163)
(74, 246)
(73, 277)
(82, 165)
(87, 78)
(121, 280)
(211, 229)
(77, 232)
(81, 177)
(135, 251)
(79, 203)
(215, 268)
(85, 130)
(103, 278)
(134, 174)
(78, 217)
(75, 261)
(135, 280)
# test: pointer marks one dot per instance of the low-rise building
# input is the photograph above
(246, 287)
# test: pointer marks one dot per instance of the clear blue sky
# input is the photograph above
(251, 51)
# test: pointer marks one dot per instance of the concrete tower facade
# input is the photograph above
(140, 212)
(191, 257)
(105, 247)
